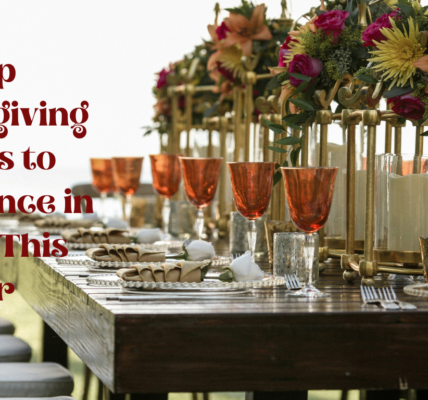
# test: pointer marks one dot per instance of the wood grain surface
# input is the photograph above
(264, 341)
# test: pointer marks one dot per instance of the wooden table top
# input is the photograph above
(262, 342)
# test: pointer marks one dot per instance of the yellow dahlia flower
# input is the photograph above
(395, 55)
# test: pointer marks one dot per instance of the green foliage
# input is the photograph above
(276, 128)
(425, 101)
(342, 58)
(351, 36)
(277, 80)
(318, 45)
(246, 9)
(332, 71)
(367, 78)
(289, 141)
(397, 91)
(227, 275)
(302, 104)
(277, 149)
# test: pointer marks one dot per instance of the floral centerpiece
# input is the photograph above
(315, 58)
(179, 73)
(397, 42)
(244, 41)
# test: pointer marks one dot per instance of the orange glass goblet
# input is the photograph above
(102, 179)
(126, 173)
(166, 181)
(309, 196)
(200, 176)
(252, 188)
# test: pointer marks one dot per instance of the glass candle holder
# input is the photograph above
(288, 255)
(400, 206)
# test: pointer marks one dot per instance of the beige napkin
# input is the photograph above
(183, 271)
(124, 253)
(109, 235)
(61, 222)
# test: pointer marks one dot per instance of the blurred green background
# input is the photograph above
(29, 328)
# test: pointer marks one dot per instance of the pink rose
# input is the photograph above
(373, 32)
(305, 65)
(408, 106)
(162, 79)
(332, 22)
(284, 50)
(222, 30)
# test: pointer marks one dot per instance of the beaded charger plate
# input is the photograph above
(86, 246)
(92, 265)
(420, 290)
(113, 280)
(157, 246)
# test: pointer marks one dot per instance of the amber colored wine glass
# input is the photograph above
(252, 187)
(166, 181)
(126, 173)
(200, 176)
(102, 179)
(309, 196)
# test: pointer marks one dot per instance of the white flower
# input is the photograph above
(116, 223)
(149, 235)
(245, 270)
(200, 250)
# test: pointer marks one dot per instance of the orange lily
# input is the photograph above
(422, 64)
(212, 61)
(244, 31)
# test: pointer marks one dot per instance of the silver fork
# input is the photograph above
(389, 294)
(370, 296)
(292, 282)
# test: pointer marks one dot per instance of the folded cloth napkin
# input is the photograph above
(244, 269)
(116, 223)
(182, 271)
(61, 222)
(28, 217)
(124, 253)
(109, 235)
(149, 235)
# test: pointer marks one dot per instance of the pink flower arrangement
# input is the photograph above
(222, 31)
(373, 32)
(162, 80)
(332, 22)
(284, 50)
(305, 65)
(408, 106)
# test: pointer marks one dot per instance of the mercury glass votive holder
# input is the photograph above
(288, 255)
(238, 239)
(181, 219)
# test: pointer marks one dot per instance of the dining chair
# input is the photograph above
(39, 398)
(6, 327)
(13, 349)
(34, 380)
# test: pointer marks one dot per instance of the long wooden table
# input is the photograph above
(264, 342)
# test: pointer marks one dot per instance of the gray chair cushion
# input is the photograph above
(34, 380)
(6, 327)
(13, 349)
(39, 398)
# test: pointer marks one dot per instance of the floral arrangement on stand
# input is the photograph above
(177, 74)
(314, 61)
(244, 41)
(398, 44)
